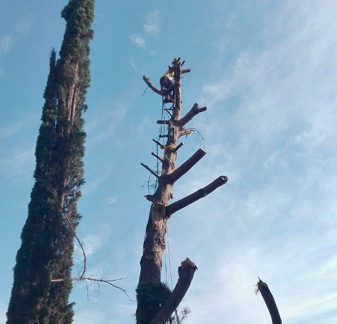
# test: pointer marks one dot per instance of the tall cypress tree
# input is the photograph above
(47, 236)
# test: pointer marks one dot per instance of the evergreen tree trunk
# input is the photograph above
(154, 303)
(47, 237)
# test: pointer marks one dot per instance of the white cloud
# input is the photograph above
(112, 200)
(133, 63)
(137, 40)
(19, 164)
(90, 186)
(153, 23)
(6, 43)
(107, 122)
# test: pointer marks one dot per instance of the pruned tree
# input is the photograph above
(158, 309)
(47, 236)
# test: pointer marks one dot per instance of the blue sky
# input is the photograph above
(266, 70)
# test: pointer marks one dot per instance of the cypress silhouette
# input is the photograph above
(47, 236)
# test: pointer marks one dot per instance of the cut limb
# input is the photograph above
(186, 272)
(201, 193)
(152, 87)
(268, 298)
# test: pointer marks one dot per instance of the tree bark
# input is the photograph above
(186, 272)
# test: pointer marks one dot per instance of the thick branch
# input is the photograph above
(194, 111)
(148, 169)
(270, 302)
(186, 272)
(151, 86)
(187, 165)
(201, 193)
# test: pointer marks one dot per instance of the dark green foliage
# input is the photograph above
(47, 237)
(151, 296)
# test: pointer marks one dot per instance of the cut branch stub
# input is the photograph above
(187, 165)
(148, 169)
(190, 199)
(268, 298)
(186, 272)
(159, 144)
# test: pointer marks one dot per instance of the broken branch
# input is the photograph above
(268, 298)
(187, 165)
(151, 86)
(186, 71)
(186, 272)
(190, 199)
(148, 169)
(194, 111)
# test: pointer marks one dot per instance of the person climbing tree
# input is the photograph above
(166, 85)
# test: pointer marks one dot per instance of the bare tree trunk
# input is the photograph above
(160, 211)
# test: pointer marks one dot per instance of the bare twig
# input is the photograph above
(107, 281)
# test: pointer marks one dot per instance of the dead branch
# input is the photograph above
(187, 165)
(148, 169)
(188, 117)
(107, 281)
(152, 87)
(158, 157)
(268, 298)
(186, 272)
(81, 245)
(190, 199)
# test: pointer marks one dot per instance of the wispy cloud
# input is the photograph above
(90, 186)
(137, 40)
(6, 43)
(105, 126)
(152, 25)
(18, 165)
(111, 200)
(133, 63)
